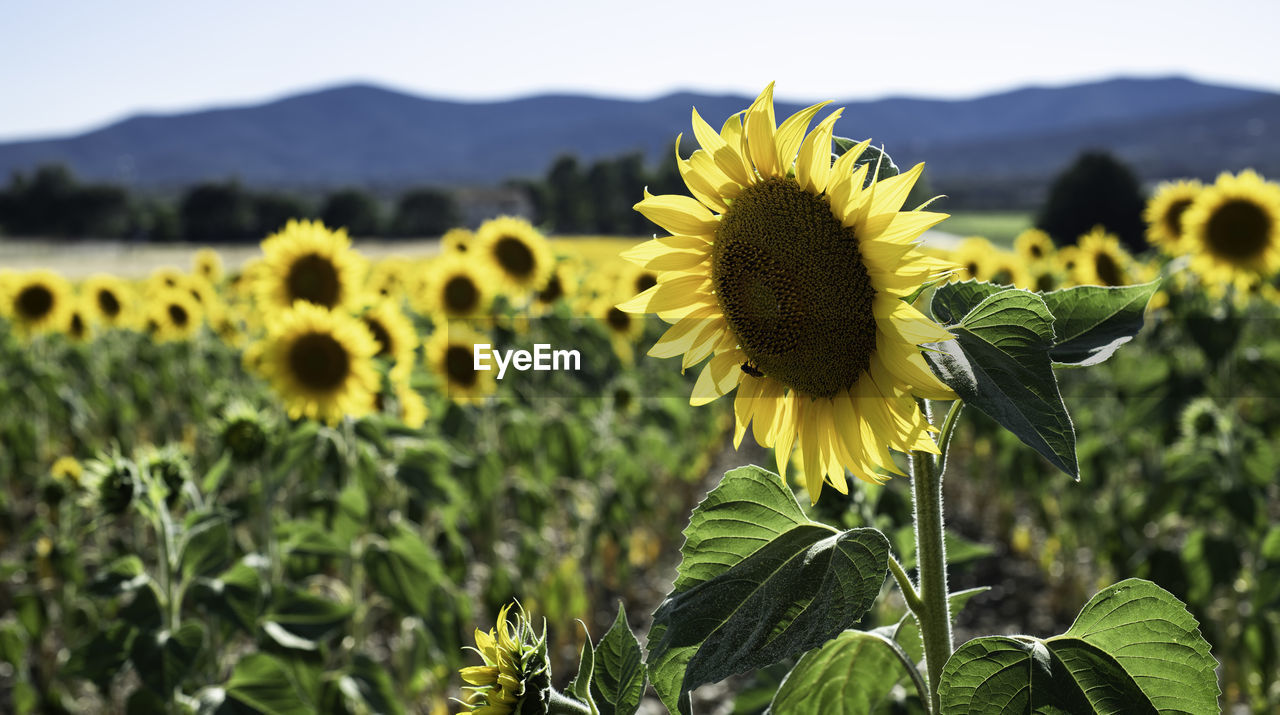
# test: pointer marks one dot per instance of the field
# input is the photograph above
(275, 478)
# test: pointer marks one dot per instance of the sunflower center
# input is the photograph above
(459, 366)
(380, 334)
(77, 326)
(618, 320)
(108, 303)
(34, 302)
(552, 291)
(1173, 217)
(319, 361)
(461, 295)
(314, 278)
(1238, 230)
(178, 315)
(1108, 270)
(514, 257)
(645, 281)
(791, 282)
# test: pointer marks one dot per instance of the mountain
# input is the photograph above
(367, 135)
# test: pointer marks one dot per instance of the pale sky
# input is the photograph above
(74, 65)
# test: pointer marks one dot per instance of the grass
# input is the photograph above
(999, 227)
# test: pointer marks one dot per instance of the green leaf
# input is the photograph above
(1092, 322)
(262, 683)
(1154, 638)
(205, 545)
(580, 686)
(213, 478)
(163, 659)
(854, 673)
(906, 632)
(999, 363)
(1134, 648)
(872, 156)
(404, 570)
(125, 574)
(236, 593)
(307, 615)
(952, 301)
(618, 683)
(751, 591)
(369, 685)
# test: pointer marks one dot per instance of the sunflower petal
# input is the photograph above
(701, 189)
(896, 317)
(642, 253)
(743, 407)
(681, 215)
(813, 162)
(672, 294)
(760, 127)
(720, 376)
(890, 193)
(792, 132)
(904, 362)
(680, 336)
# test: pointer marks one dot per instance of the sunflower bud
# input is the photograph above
(516, 675)
(116, 483)
(244, 432)
(168, 468)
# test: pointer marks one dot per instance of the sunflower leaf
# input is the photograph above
(873, 156)
(855, 672)
(952, 301)
(999, 363)
(1134, 648)
(759, 582)
(1092, 322)
(618, 682)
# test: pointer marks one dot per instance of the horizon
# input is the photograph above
(86, 65)
(552, 92)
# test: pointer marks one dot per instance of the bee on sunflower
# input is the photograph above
(36, 301)
(1232, 228)
(307, 261)
(788, 271)
(320, 362)
(1163, 214)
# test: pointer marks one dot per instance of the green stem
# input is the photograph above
(559, 704)
(904, 584)
(931, 558)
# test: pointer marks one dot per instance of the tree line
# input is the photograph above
(52, 203)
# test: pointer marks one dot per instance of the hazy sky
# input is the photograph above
(72, 65)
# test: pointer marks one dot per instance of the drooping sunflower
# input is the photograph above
(306, 261)
(456, 286)
(1102, 260)
(36, 301)
(450, 355)
(1033, 245)
(1232, 228)
(788, 271)
(207, 263)
(1164, 211)
(175, 315)
(110, 300)
(517, 250)
(320, 362)
(394, 333)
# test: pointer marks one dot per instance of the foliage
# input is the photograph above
(1097, 189)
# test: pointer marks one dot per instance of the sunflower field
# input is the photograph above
(308, 483)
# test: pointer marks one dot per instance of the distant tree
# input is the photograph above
(425, 212)
(604, 212)
(539, 197)
(217, 212)
(566, 198)
(155, 220)
(271, 211)
(353, 209)
(632, 180)
(51, 203)
(1096, 189)
(97, 211)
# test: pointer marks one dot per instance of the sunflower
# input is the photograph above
(110, 300)
(971, 255)
(457, 286)
(456, 240)
(36, 301)
(515, 668)
(789, 273)
(308, 262)
(1067, 258)
(1005, 268)
(207, 264)
(79, 326)
(1033, 245)
(1164, 214)
(517, 250)
(320, 362)
(67, 469)
(450, 354)
(388, 277)
(413, 409)
(165, 278)
(1233, 228)
(623, 328)
(1102, 261)
(175, 315)
(395, 336)
(1044, 276)
(561, 286)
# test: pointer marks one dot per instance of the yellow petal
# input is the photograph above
(480, 675)
(896, 317)
(905, 363)
(743, 405)
(680, 336)
(902, 227)
(668, 295)
(890, 193)
(792, 132)
(785, 433)
(769, 405)
(813, 163)
(720, 376)
(678, 214)
(760, 127)
(703, 343)
(701, 189)
(641, 254)
(728, 154)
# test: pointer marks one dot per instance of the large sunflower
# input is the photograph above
(517, 250)
(321, 363)
(450, 354)
(788, 271)
(1164, 214)
(1102, 260)
(1233, 228)
(36, 301)
(457, 286)
(308, 262)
